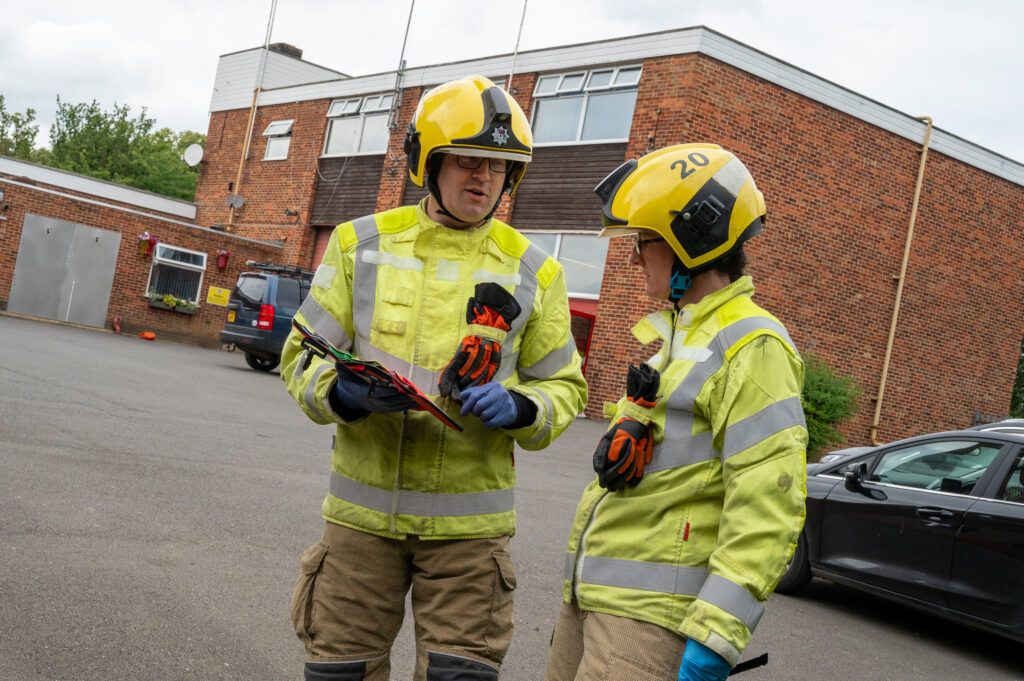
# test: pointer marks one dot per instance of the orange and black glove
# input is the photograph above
(490, 313)
(627, 446)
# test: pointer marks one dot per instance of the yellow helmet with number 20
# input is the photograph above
(698, 197)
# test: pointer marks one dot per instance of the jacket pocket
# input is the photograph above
(302, 599)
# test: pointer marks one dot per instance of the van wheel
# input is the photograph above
(261, 364)
(798, 572)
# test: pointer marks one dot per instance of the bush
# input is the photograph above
(1017, 398)
(828, 400)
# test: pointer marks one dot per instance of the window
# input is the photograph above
(176, 271)
(950, 466)
(358, 126)
(279, 137)
(1013, 488)
(586, 106)
(582, 257)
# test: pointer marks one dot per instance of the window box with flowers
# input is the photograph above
(169, 302)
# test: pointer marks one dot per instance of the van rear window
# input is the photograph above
(250, 290)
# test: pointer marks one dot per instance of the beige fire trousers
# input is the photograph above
(594, 646)
(349, 604)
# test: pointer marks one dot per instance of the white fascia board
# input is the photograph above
(238, 72)
(99, 188)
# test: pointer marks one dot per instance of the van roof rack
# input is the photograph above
(286, 270)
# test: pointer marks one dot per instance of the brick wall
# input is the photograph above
(127, 295)
(839, 194)
(268, 187)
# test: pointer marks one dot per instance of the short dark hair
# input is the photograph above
(734, 263)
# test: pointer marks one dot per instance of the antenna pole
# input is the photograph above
(396, 98)
(264, 57)
(515, 52)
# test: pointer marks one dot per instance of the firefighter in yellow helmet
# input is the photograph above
(700, 488)
(477, 318)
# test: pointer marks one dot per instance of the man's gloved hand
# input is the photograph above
(491, 402)
(356, 394)
(628, 446)
(700, 663)
(490, 313)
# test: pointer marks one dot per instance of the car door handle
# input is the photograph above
(934, 513)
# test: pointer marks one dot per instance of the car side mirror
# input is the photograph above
(853, 476)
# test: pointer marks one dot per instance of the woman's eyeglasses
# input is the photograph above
(639, 243)
(497, 165)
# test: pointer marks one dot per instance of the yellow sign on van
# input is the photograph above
(218, 296)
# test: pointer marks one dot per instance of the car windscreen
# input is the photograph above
(250, 290)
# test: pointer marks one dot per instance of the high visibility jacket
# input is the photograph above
(394, 287)
(701, 542)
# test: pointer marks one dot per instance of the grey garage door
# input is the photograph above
(64, 271)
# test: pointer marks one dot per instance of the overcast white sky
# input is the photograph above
(959, 61)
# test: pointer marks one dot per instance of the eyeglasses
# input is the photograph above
(497, 165)
(639, 243)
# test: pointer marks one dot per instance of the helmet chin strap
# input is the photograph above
(435, 191)
(681, 281)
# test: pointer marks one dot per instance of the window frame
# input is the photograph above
(584, 91)
(367, 106)
(277, 131)
(556, 255)
(158, 259)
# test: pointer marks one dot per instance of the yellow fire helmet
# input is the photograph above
(698, 197)
(472, 117)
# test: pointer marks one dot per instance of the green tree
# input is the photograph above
(1017, 398)
(828, 400)
(117, 146)
(17, 133)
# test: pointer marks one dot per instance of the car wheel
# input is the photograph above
(260, 364)
(798, 572)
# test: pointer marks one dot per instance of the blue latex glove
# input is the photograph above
(358, 395)
(491, 402)
(700, 663)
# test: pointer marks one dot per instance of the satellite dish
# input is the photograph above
(193, 155)
(235, 200)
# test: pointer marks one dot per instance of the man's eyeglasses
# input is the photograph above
(639, 243)
(497, 165)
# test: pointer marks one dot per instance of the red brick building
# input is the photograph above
(71, 251)
(839, 173)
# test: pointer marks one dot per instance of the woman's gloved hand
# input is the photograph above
(700, 663)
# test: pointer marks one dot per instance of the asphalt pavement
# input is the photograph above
(155, 499)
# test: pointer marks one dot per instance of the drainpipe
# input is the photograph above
(901, 278)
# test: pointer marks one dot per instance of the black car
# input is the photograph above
(261, 308)
(935, 522)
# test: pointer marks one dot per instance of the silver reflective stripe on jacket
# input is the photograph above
(638, 574)
(732, 598)
(423, 378)
(679, 445)
(774, 418)
(324, 323)
(555, 361)
(364, 281)
(310, 395)
(669, 579)
(422, 504)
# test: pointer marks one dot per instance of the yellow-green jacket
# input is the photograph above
(393, 287)
(701, 542)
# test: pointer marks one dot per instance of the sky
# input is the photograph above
(961, 63)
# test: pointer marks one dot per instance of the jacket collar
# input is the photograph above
(695, 314)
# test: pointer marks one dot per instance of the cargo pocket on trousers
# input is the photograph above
(499, 633)
(302, 599)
